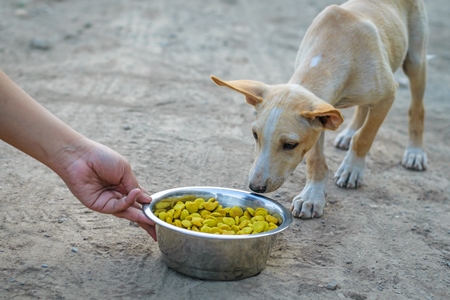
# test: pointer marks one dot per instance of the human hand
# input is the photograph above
(104, 182)
(98, 176)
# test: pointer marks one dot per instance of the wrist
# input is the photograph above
(68, 153)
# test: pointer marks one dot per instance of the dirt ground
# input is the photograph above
(134, 75)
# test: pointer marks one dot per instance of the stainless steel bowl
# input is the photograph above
(211, 256)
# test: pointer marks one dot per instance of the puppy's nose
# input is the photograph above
(258, 188)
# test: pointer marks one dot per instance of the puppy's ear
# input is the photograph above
(253, 90)
(326, 114)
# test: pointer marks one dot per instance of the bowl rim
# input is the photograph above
(148, 211)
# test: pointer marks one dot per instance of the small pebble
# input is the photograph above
(69, 36)
(74, 250)
(22, 13)
(45, 266)
(332, 286)
(39, 44)
(22, 3)
(62, 219)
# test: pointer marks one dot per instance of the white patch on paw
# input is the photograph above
(311, 201)
(344, 138)
(351, 172)
(415, 158)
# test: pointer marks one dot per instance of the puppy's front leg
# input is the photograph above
(351, 171)
(311, 201)
(343, 139)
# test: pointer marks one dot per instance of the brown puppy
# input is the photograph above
(347, 58)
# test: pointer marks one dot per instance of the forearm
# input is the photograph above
(29, 127)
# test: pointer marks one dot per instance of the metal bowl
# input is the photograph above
(217, 257)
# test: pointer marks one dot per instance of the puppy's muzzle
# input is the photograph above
(258, 188)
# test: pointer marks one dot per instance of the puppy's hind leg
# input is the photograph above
(414, 67)
(343, 139)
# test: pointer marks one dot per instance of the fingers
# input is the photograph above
(128, 208)
(143, 197)
(144, 191)
(150, 230)
(135, 214)
(133, 198)
(122, 204)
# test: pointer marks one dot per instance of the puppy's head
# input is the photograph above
(288, 123)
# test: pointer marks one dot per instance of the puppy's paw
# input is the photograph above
(343, 139)
(307, 209)
(415, 159)
(311, 201)
(351, 172)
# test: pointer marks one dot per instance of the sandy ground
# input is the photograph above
(134, 75)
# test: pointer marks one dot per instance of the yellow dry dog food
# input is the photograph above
(198, 214)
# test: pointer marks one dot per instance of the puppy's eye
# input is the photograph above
(289, 146)
(255, 135)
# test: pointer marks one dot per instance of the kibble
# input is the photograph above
(209, 216)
